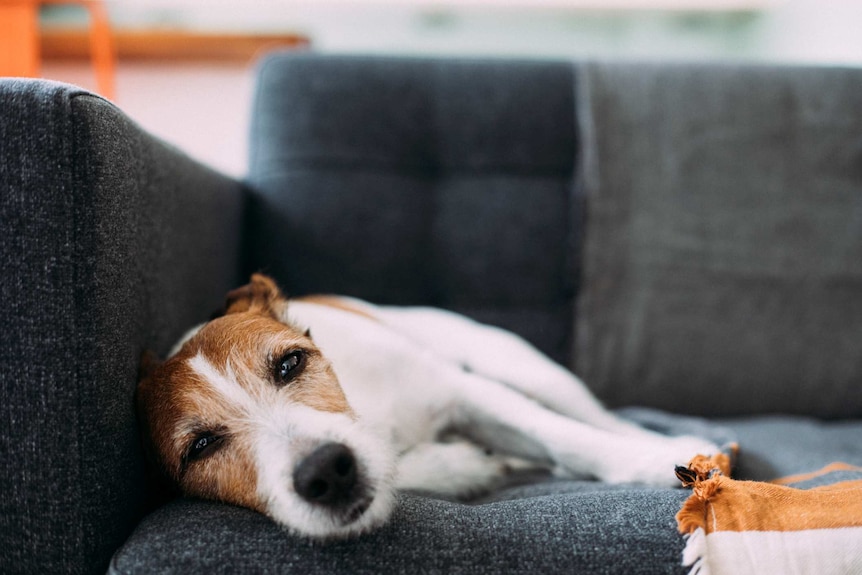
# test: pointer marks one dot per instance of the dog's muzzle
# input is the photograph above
(329, 477)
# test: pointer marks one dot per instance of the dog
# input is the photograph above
(316, 411)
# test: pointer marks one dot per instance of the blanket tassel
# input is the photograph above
(694, 552)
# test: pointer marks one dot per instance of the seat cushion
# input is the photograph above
(547, 527)
(573, 527)
(770, 446)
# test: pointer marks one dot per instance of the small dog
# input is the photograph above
(314, 411)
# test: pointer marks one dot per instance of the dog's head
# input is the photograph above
(249, 411)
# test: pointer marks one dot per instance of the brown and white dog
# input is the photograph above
(314, 411)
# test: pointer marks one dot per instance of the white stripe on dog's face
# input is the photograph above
(224, 383)
(242, 403)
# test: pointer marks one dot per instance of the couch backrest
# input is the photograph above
(450, 183)
(112, 242)
(723, 236)
(723, 265)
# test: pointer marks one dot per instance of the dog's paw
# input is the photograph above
(653, 463)
(459, 470)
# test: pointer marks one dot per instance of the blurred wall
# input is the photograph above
(204, 108)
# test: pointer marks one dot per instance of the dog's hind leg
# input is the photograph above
(505, 357)
(505, 420)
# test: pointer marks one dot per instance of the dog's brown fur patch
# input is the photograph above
(176, 403)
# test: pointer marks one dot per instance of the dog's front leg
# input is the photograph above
(459, 469)
(510, 422)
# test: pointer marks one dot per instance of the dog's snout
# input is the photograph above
(327, 476)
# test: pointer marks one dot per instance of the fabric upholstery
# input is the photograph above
(723, 260)
(449, 183)
(771, 446)
(112, 242)
(549, 527)
(562, 532)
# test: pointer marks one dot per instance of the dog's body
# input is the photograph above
(318, 429)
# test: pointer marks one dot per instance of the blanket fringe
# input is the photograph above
(704, 476)
(694, 553)
(693, 514)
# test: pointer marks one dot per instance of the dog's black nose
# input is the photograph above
(327, 476)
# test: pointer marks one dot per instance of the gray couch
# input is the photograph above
(688, 238)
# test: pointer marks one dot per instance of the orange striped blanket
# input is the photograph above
(739, 527)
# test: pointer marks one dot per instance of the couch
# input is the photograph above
(686, 237)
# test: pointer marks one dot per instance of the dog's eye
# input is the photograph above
(289, 366)
(203, 445)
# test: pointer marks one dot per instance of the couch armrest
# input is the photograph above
(112, 242)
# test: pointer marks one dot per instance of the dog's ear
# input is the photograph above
(159, 489)
(261, 295)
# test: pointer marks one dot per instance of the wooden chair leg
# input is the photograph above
(102, 50)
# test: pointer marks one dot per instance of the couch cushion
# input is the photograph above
(548, 527)
(723, 263)
(771, 446)
(580, 528)
(412, 181)
(778, 446)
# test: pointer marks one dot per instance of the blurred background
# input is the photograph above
(184, 69)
